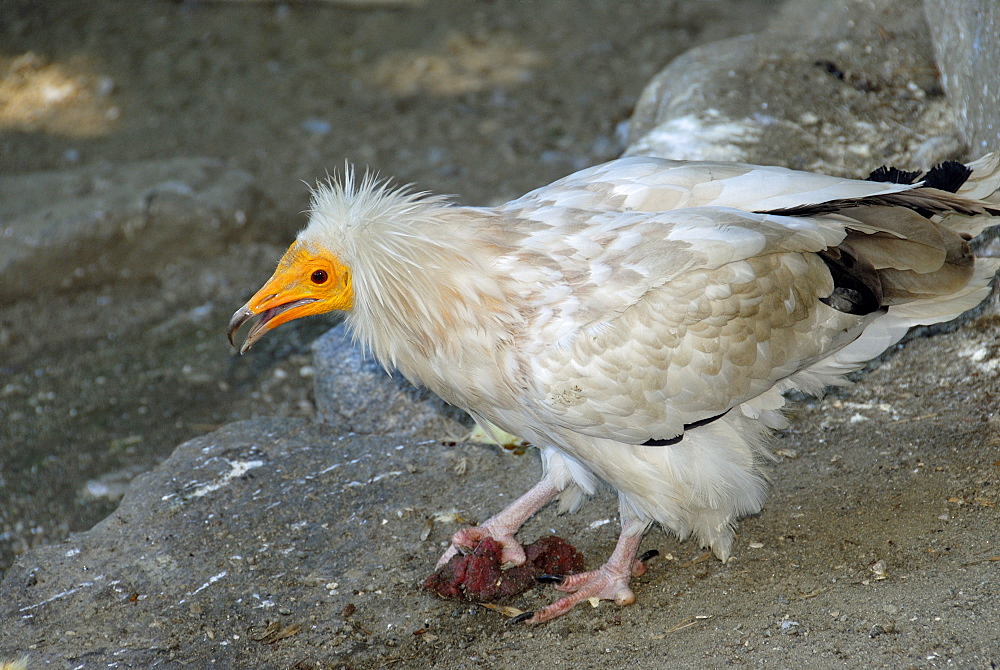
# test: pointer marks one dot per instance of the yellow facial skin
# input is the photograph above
(307, 281)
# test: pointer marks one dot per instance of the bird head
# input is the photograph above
(308, 280)
(369, 248)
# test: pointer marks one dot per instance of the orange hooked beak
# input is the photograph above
(307, 281)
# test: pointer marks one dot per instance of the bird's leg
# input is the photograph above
(608, 582)
(502, 526)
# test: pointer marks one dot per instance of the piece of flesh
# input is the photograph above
(481, 577)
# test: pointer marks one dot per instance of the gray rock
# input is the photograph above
(91, 225)
(837, 87)
(967, 43)
(263, 522)
(356, 395)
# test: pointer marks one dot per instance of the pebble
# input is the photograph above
(316, 126)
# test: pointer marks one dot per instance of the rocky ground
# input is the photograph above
(877, 548)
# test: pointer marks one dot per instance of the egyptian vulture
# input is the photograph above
(638, 321)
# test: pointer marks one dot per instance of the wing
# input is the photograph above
(669, 319)
(663, 293)
(647, 184)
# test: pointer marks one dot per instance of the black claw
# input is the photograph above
(550, 579)
(648, 554)
(520, 618)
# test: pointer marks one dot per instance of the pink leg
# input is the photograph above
(609, 582)
(501, 527)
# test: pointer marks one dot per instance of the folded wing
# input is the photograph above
(674, 292)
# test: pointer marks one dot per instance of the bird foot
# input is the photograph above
(502, 527)
(600, 584)
(467, 539)
(609, 582)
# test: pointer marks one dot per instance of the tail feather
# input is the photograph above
(888, 329)
(931, 310)
(984, 182)
(894, 237)
(914, 245)
(914, 254)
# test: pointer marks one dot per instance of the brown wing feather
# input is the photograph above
(929, 201)
(898, 248)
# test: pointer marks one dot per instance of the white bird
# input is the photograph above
(638, 321)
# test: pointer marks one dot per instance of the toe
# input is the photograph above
(624, 596)
(513, 553)
(523, 617)
(467, 539)
(446, 556)
(648, 554)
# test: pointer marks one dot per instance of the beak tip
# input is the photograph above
(242, 315)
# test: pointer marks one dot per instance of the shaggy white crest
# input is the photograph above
(371, 212)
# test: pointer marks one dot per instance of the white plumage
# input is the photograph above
(638, 321)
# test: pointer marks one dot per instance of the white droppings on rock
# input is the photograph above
(982, 357)
(237, 469)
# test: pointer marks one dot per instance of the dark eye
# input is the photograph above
(319, 277)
